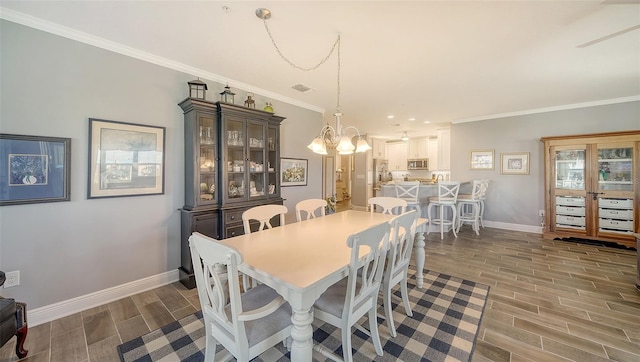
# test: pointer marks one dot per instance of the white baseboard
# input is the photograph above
(68, 307)
(515, 227)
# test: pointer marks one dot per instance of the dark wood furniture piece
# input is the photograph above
(13, 322)
(592, 186)
(232, 160)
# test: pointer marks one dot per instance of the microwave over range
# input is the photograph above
(418, 164)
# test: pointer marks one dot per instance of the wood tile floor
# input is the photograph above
(549, 301)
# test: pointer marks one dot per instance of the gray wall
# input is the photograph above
(50, 86)
(516, 199)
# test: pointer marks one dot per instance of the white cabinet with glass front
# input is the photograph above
(592, 186)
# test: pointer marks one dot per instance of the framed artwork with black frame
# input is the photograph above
(293, 172)
(34, 169)
(125, 159)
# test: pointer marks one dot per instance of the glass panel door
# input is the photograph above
(235, 159)
(257, 169)
(615, 169)
(273, 183)
(207, 145)
(569, 168)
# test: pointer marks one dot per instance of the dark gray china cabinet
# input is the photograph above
(232, 160)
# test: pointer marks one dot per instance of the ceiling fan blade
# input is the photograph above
(607, 37)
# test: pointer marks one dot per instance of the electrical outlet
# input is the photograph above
(13, 279)
(540, 212)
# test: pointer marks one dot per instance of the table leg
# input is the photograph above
(419, 254)
(302, 335)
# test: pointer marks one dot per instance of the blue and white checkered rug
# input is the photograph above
(445, 322)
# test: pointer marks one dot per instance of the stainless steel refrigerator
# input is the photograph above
(381, 175)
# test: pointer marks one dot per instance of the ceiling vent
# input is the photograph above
(301, 88)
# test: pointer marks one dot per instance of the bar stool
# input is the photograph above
(447, 197)
(471, 201)
(408, 191)
(485, 187)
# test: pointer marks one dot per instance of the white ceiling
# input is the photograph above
(437, 61)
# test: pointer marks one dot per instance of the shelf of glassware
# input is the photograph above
(615, 174)
(615, 216)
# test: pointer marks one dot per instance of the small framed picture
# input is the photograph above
(125, 159)
(514, 163)
(34, 169)
(481, 160)
(293, 172)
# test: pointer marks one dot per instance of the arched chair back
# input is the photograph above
(403, 230)
(263, 214)
(245, 324)
(310, 208)
(389, 205)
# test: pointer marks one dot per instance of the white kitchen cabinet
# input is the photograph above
(379, 148)
(432, 152)
(444, 148)
(397, 156)
(417, 148)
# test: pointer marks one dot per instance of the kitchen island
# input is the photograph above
(426, 190)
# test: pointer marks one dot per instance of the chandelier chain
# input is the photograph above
(291, 63)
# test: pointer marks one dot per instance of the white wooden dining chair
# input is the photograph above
(310, 208)
(408, 191)
(403, 229)
(345, 302)
(263, 214)
(249, 323)
(389, 205)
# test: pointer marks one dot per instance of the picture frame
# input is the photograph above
(481, 160)
(34, 169)
(293, 172)
(125, 159)
(514, 163)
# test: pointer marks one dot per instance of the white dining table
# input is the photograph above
(301, 260)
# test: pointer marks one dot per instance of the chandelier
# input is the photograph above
(337, 137)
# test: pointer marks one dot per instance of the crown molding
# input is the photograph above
(73, 34)
(549, 109)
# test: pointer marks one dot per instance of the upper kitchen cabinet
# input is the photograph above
(397, 156)
(444, 149)
(432, 151)
(592, 187)
(379, 148)
(417, 148)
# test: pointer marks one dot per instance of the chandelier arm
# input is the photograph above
(352, 127)
(273, 41)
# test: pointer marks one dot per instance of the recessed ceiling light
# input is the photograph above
(411, 119)
(391, 116)
(426, 122)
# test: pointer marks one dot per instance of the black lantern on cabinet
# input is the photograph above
(227, 95)
(250, 103)
(197, 89)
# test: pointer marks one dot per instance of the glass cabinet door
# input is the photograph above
(615, 168)
(569, 169)
(256, 162)
(273, 181)
(235, 159)
(206, 141)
